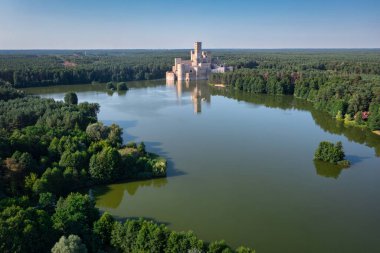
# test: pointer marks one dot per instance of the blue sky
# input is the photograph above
(80, 24)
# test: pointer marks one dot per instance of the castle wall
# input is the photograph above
(170, 76)
(198, 67)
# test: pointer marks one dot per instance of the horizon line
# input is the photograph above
(215, 48)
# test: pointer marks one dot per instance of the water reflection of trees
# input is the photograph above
(322, 119)
(325, 169)
(110, 196)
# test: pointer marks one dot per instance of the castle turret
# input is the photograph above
(197, 52)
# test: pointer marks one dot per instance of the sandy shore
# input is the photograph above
(219, 85)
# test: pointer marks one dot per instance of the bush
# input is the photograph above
(71, 98)
(122, 86)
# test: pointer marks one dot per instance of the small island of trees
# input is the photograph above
(121, 86)
(332, 153)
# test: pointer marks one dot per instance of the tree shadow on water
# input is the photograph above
(111, 195)
(356, 159)
(328, 170)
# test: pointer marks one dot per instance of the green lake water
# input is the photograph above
(241, 168)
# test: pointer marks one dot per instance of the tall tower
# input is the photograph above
(197, 51)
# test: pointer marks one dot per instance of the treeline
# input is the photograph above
(40, 68)
(345, 61)
(50, 149)
(74, 224)
(354, 99)
(43, 70)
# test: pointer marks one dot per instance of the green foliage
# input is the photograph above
(103, 229)
(110, 86)
(328, 152)
(51, 181)
(21, 112)
(141, 148)
(374, 110)
(339, 115)
(347, 118)
(25, 230)
(70, 244)
(244, 250)
(112, 134)
(71, 98)
(122, 86)
(75, 214)
(47, 201)
(7, 93)
(105, 166)
(183, 241)
(219, 247)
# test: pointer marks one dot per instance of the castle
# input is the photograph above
(198, 67)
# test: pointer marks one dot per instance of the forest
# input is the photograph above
(49, 152)
(346, 86)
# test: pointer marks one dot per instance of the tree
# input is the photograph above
(75, 215)
(114, 137)
(110, 86)
(25, 230)
(182, 242)
(105, 166)
(374, 122)
(219, 247)
(97, 131)
(103, 229)
(51, 181)
(122, 86)
(141, 148)
(70, 244)
(71, 98)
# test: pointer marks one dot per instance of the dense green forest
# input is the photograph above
(345, 84)
(48, 151)
(28, 68)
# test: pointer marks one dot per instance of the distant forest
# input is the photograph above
(27, 68)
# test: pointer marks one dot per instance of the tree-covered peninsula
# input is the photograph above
(49, 150)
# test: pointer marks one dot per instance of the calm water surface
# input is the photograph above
(241, 168)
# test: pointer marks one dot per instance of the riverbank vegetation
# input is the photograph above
(347, 88)
(51, 149)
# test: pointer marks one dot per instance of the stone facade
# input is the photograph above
(198, 67)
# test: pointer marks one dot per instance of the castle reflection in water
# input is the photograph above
(199, 91)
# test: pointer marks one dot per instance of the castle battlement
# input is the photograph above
(199, 67)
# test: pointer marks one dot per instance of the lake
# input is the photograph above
(240, 167)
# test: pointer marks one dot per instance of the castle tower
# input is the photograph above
(197, 51)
